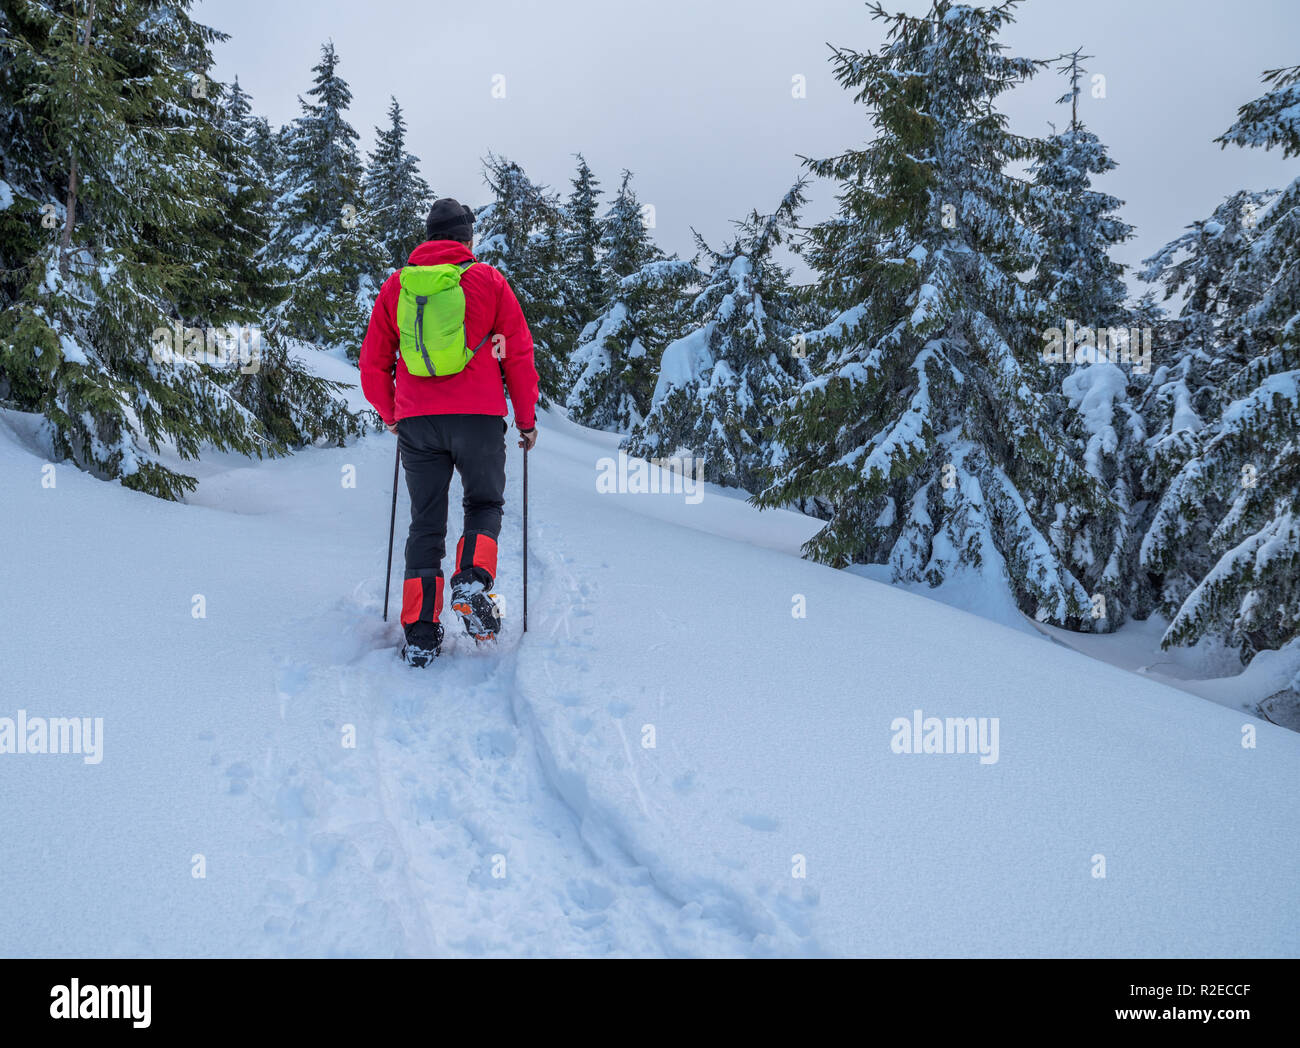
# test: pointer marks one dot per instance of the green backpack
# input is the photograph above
(431, 320)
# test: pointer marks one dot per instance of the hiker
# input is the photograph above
(444, 332)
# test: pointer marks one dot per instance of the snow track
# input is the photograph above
(449, 829)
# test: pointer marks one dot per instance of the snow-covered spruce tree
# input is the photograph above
(333, 262)
(242, 221)
(364, 248)
(618, 353)
(580, 237)
(291, 402)
(1108, 435)
(264, 148)
(931, 428)
(519, 234)
(1151, 390)
(1076, 273)
(108, 238)
(1185, 395)
(721, 384)
(1248, 463)
(397, 198)
(237, 112)
(1084, 290)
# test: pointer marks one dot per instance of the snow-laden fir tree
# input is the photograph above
(358, 255)
(931, 427)
(1108, 434)
(1185, 395)
(1151, 391)
(397, 198)
(255, 131)
(238, 116)
(584, 276)
(243, 218)
(264, 148)
(1243, 479)
(320, 176)
(1076, 273)
(617, 357)
(109, 239)
(721, 385)
(1084, 291)
(518, 232)
(333, 263)
(280, 391)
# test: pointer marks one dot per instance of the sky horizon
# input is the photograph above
(699, 100)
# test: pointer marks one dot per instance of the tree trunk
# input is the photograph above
(65, 246)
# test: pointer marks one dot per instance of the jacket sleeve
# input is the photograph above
(517, 357)
(379, 351)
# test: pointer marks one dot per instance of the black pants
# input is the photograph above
(432, 446)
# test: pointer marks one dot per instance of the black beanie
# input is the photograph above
(449, 219)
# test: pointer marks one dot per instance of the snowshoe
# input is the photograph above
(423, 643)
(478, 609)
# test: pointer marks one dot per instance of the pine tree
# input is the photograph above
(254, 132)
(1152, 391)
(584, 275)
(1076, 274)
(238, 112)
(618, 352)
(519, 234)
(340, 291)
(1244, 478)
(242, 222)
(142, 242)
(333, 262)
(397, 198)
(1186, 395)
(1085, 293)
(264, 148)
(280, 391)
(721, 385)
(1109, 437)
(931, 429)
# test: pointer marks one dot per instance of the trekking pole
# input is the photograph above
(392, 527)
(525, 539)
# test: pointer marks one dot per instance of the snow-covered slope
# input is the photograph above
(510, 803)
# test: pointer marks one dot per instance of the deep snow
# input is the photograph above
(505, 803)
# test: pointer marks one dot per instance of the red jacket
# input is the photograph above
(490, 308)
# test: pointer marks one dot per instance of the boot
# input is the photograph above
(423, 643)
(478, 609)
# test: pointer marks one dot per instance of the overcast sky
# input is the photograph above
(694, 96)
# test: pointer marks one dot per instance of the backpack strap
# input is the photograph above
(464, 266)
(420, 301)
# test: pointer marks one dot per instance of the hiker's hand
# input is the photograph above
(529, 438)
(391, 429)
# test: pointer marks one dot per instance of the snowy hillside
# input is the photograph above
(643, 773)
